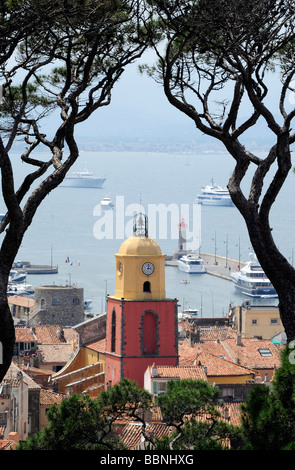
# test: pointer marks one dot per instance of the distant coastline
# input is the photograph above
(146, 146)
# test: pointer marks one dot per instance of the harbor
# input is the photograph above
(215, 265)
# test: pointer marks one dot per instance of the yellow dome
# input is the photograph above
(140, 246)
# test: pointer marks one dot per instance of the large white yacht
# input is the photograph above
(191, 263)
(214, 195)
(252, 281)
(83, 179)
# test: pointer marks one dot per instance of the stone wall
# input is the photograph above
(58, 305)
(92, 330)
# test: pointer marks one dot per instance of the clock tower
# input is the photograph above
(141, 322)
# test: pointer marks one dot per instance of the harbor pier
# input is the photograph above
(215, 265)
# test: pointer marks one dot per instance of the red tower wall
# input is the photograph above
(143, 332)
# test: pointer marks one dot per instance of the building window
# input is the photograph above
(56, 301)
(159, 387)
(254, 321)
(76, 301)
(228, 393)
(274, 321)
(265, 352)
(113, 332)
(146, 286)
(162, 387)
(43, 303)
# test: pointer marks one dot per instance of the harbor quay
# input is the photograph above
(215, 265)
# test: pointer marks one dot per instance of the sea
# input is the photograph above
(71, 231)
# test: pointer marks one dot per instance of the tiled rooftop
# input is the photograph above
(45, 334)
(24, 334)
(217, 366)
(183, 372)
(132, 433)
(99, 346)
(252, 353)
(21, 301)
(47, 397)
(56, 353)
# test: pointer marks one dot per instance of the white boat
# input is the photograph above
(16, 276)
(106, 203)
(191, 263)
(189, 313)
(214, 195)
(82, 179)
(87, 303)
(20, 289)
(252, 281)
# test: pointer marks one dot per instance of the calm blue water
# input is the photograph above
(64, 225)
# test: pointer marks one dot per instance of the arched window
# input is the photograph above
(149, 333)
(146, 286)
(113, 332)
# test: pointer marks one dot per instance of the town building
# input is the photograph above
(85, 371)
(156, 377)
(21, 308)
(261, 321)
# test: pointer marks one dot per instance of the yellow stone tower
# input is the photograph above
(140, 266)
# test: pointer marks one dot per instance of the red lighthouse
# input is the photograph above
(141, 321)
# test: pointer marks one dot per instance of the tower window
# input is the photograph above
(146, 286)
(113, 332)
(149, 333)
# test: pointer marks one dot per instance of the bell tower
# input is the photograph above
(141, 321)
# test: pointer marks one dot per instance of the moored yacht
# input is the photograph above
(16, 276)
(20, 289)
(252, 281)
(191, 263)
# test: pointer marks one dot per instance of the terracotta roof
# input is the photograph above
(254, 353)
(49, 334)
(99, 346)
(7, 444)
(21, 300)
(56, 353)
(208, 333)
(181, 372)
(45, 334)
(132, 433)
(47, 397)
(230, 412)
(187, 353)
(217, 366)
(24, 334)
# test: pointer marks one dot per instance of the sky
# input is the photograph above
(139, 111)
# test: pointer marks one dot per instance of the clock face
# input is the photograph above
(148, 268)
